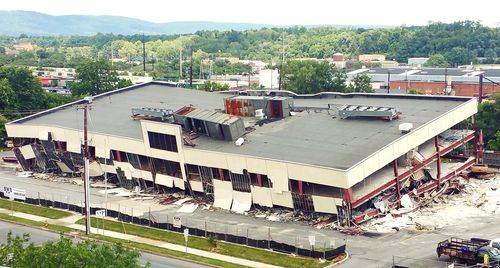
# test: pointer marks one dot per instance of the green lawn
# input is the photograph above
(202, 243)
(169, 252)
(34, 210)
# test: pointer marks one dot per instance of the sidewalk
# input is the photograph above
(70, 222)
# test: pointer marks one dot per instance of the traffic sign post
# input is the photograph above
(100, 214)
(186, 235)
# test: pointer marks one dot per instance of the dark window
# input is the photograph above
(162, 141)
(166, 167)
(119, 156)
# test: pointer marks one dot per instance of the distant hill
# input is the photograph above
(14, 23)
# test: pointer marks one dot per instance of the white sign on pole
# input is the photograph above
(312, 240)
(13, 193)
(186, 234)
(100, 213)
(177, 222)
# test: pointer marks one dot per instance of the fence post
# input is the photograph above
(324, 250)
(132, 211)
(247, 237)
(225, 233)
(149, 216)
(269, 237)
(67, 202)
(296, 245)
(119, 212)
(205, 228)
(39, 199)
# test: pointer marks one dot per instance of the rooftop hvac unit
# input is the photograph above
(348, 111)
(405, 127)
(259, 114)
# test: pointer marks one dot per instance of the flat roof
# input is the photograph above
(313, 137)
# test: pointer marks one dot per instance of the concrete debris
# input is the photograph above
(166, 200)
(478, 198)
(188, 208)
(142, 198)
(100, 184)
(179, 202)
(406, 202)
(24, 174)
(77, 182)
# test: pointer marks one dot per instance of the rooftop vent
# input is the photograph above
(153, 114)
(348, 111)
(405, 127)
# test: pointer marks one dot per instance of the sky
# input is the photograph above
(277, 12)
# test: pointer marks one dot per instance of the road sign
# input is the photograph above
(177, 222)
(13, 193)
(100, 213)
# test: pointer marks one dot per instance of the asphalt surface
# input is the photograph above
(40, 236)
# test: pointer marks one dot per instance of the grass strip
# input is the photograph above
(168, 252)
(34, 210)
(202, 243)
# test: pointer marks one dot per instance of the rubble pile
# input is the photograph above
(477, 199)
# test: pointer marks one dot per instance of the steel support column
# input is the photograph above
(259, 180)
(301, 187)
(438, 161)
(396, 177)
(221, 174)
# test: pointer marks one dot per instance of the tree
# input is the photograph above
(20, 252)
(459, 55)
(494, 144)
(437, 60)
(487, 117)
(413, 91)
(309, 77)
(7, 95)
(361, 83)
(3, 132)
(94, 77)
(490, 56)
(29, 95)
(213, 86)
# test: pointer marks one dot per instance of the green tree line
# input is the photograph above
(449, 44)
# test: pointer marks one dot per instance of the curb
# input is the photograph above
(340, 262)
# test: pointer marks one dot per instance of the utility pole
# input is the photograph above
(191, 70)
(180, 63)
(143, 53)
(480, 99)
(280, 69)
(86, 156)
(388, 82)
(445, 81)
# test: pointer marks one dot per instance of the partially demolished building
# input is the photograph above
(343, 154)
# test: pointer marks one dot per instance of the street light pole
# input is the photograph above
(86, 155)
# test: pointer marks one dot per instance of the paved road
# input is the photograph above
(40, 236)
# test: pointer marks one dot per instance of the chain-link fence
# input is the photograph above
(264, 237)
